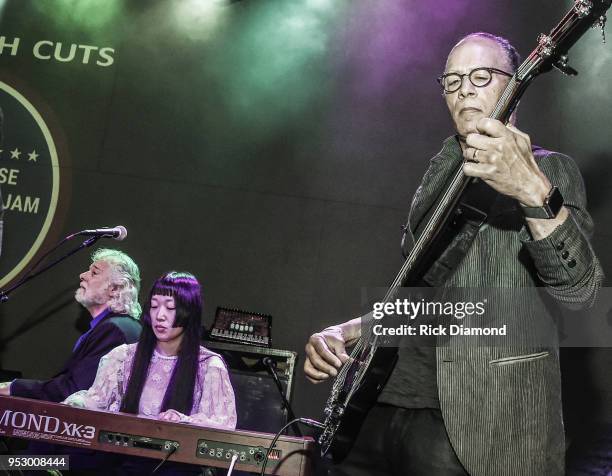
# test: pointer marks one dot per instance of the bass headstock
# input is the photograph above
(553, 47)
(551, 51)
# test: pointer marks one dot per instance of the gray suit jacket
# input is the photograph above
(502, 405)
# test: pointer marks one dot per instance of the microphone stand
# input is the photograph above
(4, 294)
(271, 368)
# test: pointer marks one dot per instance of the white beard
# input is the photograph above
(87, 300)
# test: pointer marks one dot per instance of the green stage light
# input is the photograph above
(272, 63)
(88, 14)
(319, 4)
(198, 19)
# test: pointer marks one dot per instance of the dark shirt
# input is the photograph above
(93, 323)
(413, 381)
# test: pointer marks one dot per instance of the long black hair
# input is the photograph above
(186, 291)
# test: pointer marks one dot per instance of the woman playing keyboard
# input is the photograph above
(167, 375)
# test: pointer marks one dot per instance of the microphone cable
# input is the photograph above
(304, 421)
(232, 463)
(168, 454)
(270, 364)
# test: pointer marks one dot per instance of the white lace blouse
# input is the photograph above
(213, 396)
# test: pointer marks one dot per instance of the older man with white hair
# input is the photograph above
(109, 291)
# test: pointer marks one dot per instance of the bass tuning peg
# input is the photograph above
(561, 65)
(601, 23)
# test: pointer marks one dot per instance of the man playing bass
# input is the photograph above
(477, 410)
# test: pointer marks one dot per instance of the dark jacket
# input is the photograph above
(80, 369)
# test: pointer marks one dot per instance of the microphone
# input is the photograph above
(117, 233)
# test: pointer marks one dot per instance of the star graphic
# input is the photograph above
(32, 156)
(15, 153)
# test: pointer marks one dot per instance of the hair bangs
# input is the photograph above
(162, 288)
(187, 294)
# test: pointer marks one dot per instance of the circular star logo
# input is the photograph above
(29, 182)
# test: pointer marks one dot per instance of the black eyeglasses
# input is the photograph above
(479, 77)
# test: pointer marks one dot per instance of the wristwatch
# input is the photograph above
(552, 204)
